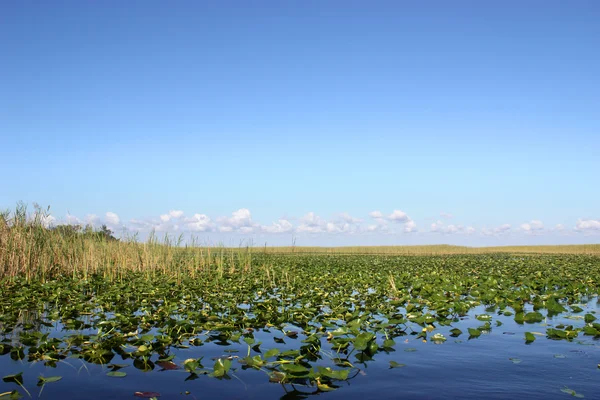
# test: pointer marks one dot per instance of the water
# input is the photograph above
(459, 368)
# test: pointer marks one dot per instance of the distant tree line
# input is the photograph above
(87, 231)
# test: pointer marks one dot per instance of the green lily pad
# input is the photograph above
(394, 364)
(116, 374)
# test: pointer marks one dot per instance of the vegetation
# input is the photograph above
(30, 249)
(304, 320)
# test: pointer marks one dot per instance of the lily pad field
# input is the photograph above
(87, 317)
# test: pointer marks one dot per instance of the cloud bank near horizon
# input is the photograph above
(396, 222)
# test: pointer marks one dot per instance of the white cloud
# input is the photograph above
(410, 226)
(376, 214)
(436, 226)
(171, 214)
(46, 220)
(440, 227)
(349, 219)
(176, 213)
(311, 223)
(503, 228)
(92, 219)
(453, 229)
(72, 220)
(398, 216)
(240, 221)
(139, 225)
(281, 226)
(246, 230)
(199, 223)
(532, 227)
(395, 223)
(498, 231)
(381, 227)
(446, 215)
(587, 225)
(112, 218)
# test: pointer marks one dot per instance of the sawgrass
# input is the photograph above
(441, 249)
(31, 250)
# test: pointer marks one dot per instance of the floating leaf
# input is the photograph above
(474, 332)
(394, 364)
(455, 332)
(117, 374)
(529, 337)
(16, 378)
(572, 392)
(323, 387)
(294, 369)
(272, 353)
(362, 340)
(588, 318)
(14, 395)
(43, 380)
(146, 395)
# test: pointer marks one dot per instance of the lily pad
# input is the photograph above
(394, 364)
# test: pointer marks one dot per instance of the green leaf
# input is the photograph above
(14, 395)
(362, 340)
(294, 369)
(49, 379)
(272, 353)
(474, 332)
(394, 364)
(571, 392)
(340, 374)
(117, 374)
(529, 337)
(455, 332)
(588, 318)
(16, 378)
(221, 367)
(533, 317)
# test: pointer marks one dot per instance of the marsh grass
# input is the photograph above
(441, 249)
(34, 251)
(31, 250)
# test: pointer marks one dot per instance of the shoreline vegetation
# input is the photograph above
(34, 251)
(307, 320)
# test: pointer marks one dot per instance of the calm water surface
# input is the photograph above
(460, 368)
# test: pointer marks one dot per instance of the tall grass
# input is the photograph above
(31, 250)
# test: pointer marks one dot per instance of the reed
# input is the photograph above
(31, 250)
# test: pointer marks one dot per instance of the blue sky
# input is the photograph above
(335, 122)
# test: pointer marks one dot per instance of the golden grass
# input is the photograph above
(441, 249)
(29, 250)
